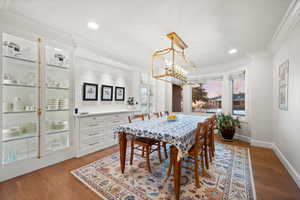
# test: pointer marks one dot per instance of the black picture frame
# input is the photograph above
(104, 89)
(88, 87)
(117, 89)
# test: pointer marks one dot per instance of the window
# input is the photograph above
(238, 94)
(207, 97)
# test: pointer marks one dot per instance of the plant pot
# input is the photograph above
(228, 133)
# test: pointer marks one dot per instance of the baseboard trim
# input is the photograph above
(291, 170)
(260, 143)
(294, 174)
(242, 138)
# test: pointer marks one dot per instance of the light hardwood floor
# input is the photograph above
(272, 180)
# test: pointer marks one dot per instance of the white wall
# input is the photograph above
(257, 125)
(286, 124)
(91, 68)
(260, 98)
(187, 99)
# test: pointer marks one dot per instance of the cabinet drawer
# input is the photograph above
(92, 123)
(92, 133)
(91, 142)
(122, 116)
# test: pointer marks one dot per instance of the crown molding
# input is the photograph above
(22, 25)
(4, 4)
(286, 26)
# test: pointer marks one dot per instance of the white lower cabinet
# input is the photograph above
(94, 132)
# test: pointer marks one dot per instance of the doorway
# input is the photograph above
(176, 98)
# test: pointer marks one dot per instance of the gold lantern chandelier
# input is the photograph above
(171, 64)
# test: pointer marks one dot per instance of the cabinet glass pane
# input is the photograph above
(19, 125)
(57, 141)
(57, 86)
(19, 99)
(19, 149)
(57, 121)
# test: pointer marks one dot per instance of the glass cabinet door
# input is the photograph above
(57, 84)
(19, 98)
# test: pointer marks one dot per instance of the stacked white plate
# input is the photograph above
(63, 103)
(53, 104)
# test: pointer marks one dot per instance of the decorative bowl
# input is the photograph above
(171, 118)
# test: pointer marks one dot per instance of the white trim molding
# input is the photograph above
(289, 167)
(242, 138)
(260, 143)
(287, 25)
(292, 171)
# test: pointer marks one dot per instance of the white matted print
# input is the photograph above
(283, 85)
(119, 93)
(90, 92)
(106, 93)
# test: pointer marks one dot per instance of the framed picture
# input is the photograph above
(106, 93)
(283, 85)
(90, 92)
(119, 93)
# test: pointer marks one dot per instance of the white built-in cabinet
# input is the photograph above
(94, 131)
(36, 117)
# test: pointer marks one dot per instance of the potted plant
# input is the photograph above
(226, 125)
(131, 103)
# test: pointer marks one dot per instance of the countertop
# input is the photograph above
(89, 114)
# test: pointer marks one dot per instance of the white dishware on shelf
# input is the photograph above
(63, 104)
(7, 106)
(9, 79)
(29, 108)
(53, 104)
(12, 49)
(30, 79)
(11, 132)
(57, 125)
(65, 85)
(15, 50)
(18, 104)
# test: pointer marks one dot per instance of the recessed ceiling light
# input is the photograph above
(93, 25)
(57, 49)
(232, 51)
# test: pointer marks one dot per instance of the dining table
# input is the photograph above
(178, 133)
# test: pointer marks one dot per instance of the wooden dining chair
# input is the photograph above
(210, 144)
(164, 144)
(144, 145)
(157, 114)
(212, 133)
(197, 149)
(166, 113)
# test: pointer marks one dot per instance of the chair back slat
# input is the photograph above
(201, 134)
(212, 125)
(166, 113)
(133, 117)
(157, 114)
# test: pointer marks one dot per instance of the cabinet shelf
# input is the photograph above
(19, 59)
(57, 88)
(18, 85)
(19, 112)
(57, 131)
(21, 137)
(57, 110)
(58, 67)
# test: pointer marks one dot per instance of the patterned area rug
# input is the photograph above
(229, 178)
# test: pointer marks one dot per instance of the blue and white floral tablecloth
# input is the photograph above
(179, 133)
